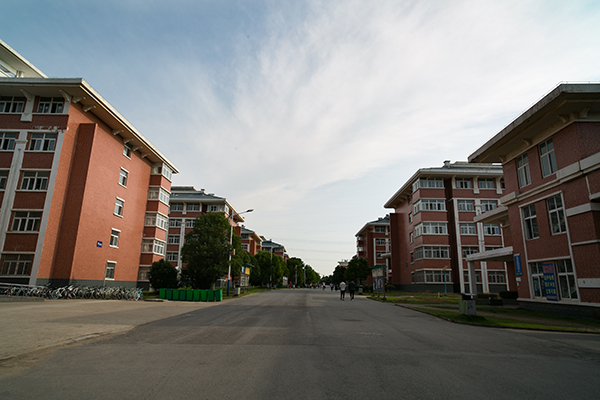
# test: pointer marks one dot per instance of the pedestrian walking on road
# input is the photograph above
(351, 288)
(342, 290)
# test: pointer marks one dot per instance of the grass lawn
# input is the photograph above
(417, 298)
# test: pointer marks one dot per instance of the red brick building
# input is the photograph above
(373, 243)
(77, 183)
(251, 241)
(432, 228)
(187, 204)
(551, 160)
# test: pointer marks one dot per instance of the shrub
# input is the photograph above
(367, 288)
(390, 288)
(509, 294)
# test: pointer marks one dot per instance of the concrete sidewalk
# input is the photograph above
(26, 327)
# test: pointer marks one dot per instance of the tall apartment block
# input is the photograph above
(187, 204)
(551, 160)
(373, 243)
(274, 248)
(83, 194)
(432, 228)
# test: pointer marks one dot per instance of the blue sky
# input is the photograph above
(313, 113)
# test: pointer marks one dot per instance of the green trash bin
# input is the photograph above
(196, 295)
(162, 293)
(190, 295)
(211, 295)
(219, 295)
(182, 294)
(175, 294)
(204, 295)
(169, 294)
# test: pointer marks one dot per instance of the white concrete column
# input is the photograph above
(472, 277)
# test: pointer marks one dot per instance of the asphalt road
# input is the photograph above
(307, 344)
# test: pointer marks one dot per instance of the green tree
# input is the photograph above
(295, 274)
(338, 274)
(357, 270)
(163, 275)
(271, 268)
(206, 251)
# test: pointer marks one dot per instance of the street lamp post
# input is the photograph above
(231, 244)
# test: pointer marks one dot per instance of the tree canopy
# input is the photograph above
(163, 275)
(357, 270)
(206, 251)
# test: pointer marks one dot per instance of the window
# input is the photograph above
(411, 237)
(35, 180)
(162, 169)
(523, 170)
(432, 252)
(496, 277)
(213, 208)
(127, 150)
(119, 207)
(428, 183)
(412, 257)
(189, 223)
(491, 229)
(17, 264)
(156, 193)
(537, 279)
(153, 246)
(27, 221)
(463, 183)
(114, 238)
(110, 270)
(477, 276)
(175, 223)
(193, 207)
(144, 273)
(566, 279)
(9, 104)
(488, 205)
(380, 229)
(430, 205)
(380, 242)
(42, 142)
(172, 256)
(487, 183)
(51, 105)
(245, 246)
(177, 207)
(123, 177)
(490, 248)
(466, 250)
(3, 179)
(158, 220)
(468, 228)
(410, 218)
(466, 205)
(547, 158)
(245, 236)
(530, 222)
(431, 228)
(432, 276)
(7, 140)
(379, 254)
(173, 239)
(556, 215)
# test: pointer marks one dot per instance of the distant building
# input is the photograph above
(251, 241)
(187, 204)
(77, 184)
(274, 248)
(551, 160)
(432, 228)
(373, 244)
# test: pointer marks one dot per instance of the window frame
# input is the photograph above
(523, 173)
(15, 104)
(464, 183)
(465, 202)
(51, 105)
(22, 264)
(109, 272)
(115, 235)
(547, 158)
(556, 212)
(42, 142)
(468, 230)
(123, 176)
(28, 221)
(34, 181)
(530, 225)
(119, 207)
(8, 140)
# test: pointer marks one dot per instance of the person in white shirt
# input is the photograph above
(342, 290)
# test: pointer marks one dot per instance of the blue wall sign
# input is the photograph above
(98, 243)
(518, 265)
